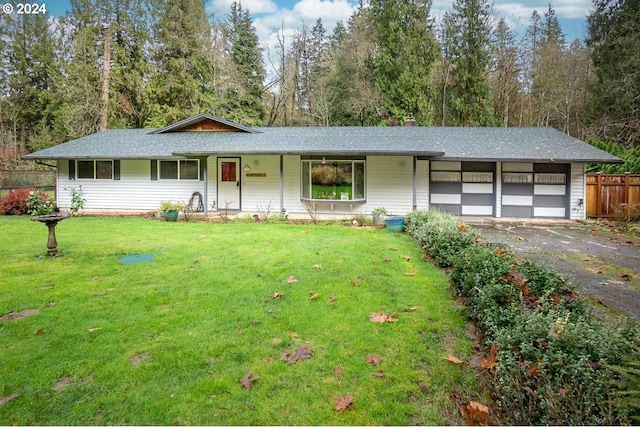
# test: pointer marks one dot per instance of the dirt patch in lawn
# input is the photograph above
(17, 315)
(602, 264)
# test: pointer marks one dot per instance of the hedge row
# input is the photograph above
(556, 363)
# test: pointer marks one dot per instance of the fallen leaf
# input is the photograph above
(338, 371)
(378, 374)
(90, 330)
(410, 273)
(410, 309)
(406, 258)
(313, 296)
(475, 413)
(533, 371)
(451, 358)
(292, 279)
(522, 239)
(301, 353)
(247, 380)
(343, 402)
(333, 298)
(594, 270)
(373, 359)
(9, 398)
(39, 331)
(393, 249)
(354, 283)
(382, 317)
(361, 277)
(277, 295)
(317, 266)
(490, 362)
(388, 260)
(624, 276)
(49, 304)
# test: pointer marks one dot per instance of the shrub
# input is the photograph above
(39, 203)
(557, 363)
(441, 235)
(15, 203)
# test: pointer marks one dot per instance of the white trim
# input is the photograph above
(477, 210)
(549, 212)
(477, 188)
(446, 199)
(510, 200)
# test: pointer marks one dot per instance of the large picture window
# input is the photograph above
(179, 169)
(333, 180)
(94, 169)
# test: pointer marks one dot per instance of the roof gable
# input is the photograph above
(204, 123)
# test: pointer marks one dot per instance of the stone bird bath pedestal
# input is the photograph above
(51, 220)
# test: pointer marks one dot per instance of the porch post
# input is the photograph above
(281, 183)
(205, 196)
(415, 184)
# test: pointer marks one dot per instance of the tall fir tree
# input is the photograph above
(181, 85)
(470, 94)
(614, 38)
(243, 102)
(407, 53)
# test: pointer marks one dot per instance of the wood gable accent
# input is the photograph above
(205, 123)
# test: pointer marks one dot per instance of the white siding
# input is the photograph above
(258, 192)
(578, 191)
(133, 191)
(389, 183)
(292, 193)
(498, 179)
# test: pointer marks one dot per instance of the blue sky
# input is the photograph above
(271, 15)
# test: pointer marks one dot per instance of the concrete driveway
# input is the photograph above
(605, 266)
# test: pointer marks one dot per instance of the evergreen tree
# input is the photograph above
(29, 46)
(181, 86)
(506, 74)
(470, 95)
(614, 37)
(244, 101)
(407, 52)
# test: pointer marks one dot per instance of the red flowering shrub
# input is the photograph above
(15, 203)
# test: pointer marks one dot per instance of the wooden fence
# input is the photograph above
(607, 192)
(26, 179)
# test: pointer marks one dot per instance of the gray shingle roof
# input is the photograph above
(447, 143)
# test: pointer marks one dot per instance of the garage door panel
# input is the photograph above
(517, 189)
(446, 187)
(450, 209)
(477, 199)
(517, 211)
(549, 201)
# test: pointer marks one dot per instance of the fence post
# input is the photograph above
(599, 195)
(627, 188)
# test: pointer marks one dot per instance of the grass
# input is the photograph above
(168, 341)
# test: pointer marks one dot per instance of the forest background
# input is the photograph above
(148, 63)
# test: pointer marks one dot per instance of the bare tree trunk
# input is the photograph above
(106, 70)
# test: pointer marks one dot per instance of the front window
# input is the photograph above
(94, 169)
(333, 179)
(179, 169)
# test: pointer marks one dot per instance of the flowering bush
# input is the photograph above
(39, 203)
(15, 203)
(77, 199)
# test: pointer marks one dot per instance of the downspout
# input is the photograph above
(205, 196)
(415, 184)
(282, 184)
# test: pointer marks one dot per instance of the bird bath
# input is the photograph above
(51, 220)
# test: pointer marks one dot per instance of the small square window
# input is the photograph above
(168, 169)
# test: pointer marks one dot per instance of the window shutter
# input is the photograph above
(203, 165)
(154, 170)
(116, 170)
(72, 170)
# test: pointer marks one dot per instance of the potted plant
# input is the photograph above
(378, 215)
(170, 210)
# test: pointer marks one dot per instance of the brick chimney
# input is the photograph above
(410, 121)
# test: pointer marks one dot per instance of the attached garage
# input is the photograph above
(463, 188)
(535, 190)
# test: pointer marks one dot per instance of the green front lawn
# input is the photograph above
(168, 341)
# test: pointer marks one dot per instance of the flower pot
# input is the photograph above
(395, 223)
(171, 216)
(378, 219)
